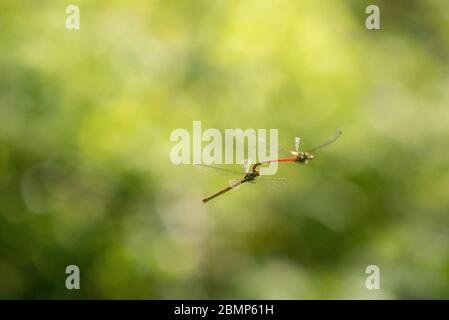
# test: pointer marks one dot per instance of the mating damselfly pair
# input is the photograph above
(252, 171)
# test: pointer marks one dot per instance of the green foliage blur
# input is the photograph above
(85, 174)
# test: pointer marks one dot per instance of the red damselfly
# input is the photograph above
(301, 156)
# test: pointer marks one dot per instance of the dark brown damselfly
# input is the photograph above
(251, 175)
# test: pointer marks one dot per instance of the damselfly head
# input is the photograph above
(308, 156)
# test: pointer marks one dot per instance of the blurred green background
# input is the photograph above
(85, 174)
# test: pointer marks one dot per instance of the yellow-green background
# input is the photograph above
(85, 175)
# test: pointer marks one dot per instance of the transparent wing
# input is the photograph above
(297, 143)
(336, 135)
(235, 184)
(247, 165)
(271, 179)
(261, 142)
(272, 182)
(219, 170)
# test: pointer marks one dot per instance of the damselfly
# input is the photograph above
(251, 175)
(300, 156)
